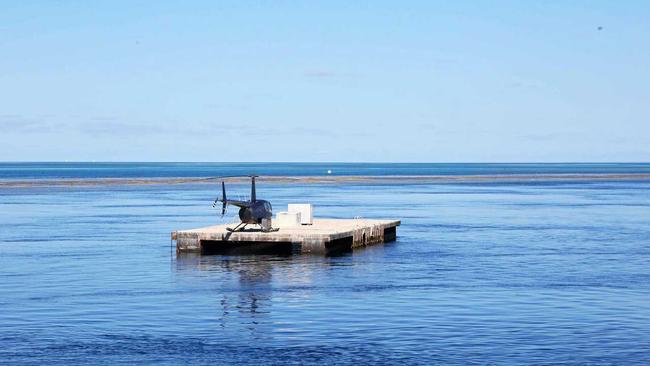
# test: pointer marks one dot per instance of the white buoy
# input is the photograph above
(329, 172)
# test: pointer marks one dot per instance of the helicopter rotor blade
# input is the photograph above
(218, 177)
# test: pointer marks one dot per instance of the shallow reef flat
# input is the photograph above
(388, 179)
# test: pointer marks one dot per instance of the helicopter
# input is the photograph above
(253, 211)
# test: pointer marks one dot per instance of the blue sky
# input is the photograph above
(403, 81)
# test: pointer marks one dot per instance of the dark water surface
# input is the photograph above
(480, 274)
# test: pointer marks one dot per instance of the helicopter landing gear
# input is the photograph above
(237, 227)
(265, 227)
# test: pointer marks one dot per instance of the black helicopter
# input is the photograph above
(254, 211)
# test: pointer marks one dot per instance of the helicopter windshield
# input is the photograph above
(267, 206)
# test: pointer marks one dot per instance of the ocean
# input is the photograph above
(54, 170)
(482, 272)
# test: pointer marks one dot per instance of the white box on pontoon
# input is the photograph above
(306, 211)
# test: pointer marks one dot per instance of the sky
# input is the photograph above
(332, 81)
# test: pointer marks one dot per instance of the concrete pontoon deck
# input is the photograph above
(322, 237)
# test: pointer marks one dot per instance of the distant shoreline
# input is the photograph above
(351, 179)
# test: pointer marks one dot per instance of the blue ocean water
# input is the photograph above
(481, 273)
(178, 170)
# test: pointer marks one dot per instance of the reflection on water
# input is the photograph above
(246, 284)
(254, 273)
(250, 294)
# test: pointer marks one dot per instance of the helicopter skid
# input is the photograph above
(237, 228)
(234, 230)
